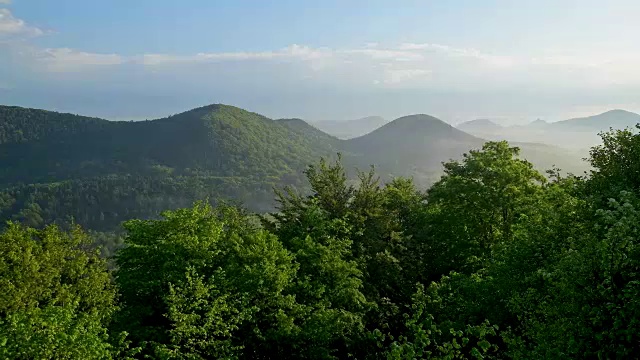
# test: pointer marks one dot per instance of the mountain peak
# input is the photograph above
(618, 112)
(417, 127)
(539, 123)
(418, 120)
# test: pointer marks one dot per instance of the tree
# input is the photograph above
(616, 165)
(204, 282)
(477, 203)
(56, 299)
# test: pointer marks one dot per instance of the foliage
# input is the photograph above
(493, 261)
(56, 299)
(203, 281)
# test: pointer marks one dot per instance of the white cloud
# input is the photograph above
(5, 2)
(415, 65)
(69, 60)
(14, 28)
(397, 76)
(291, 52)
(385, 54)
(425, 65)
(488, 59)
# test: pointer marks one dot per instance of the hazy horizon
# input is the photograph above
(458, 61)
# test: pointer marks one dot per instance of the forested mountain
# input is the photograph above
(349, 129)
(493, 261)
(310, 132)
(413, 145)
(99, 172)
(216, 140)
(19, 125)
(416, 145)
(61, 166)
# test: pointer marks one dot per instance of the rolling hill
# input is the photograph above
(416, 145)
(21, 125)
(350, 128)
(61, 166)
(56, 166)
(215, 140)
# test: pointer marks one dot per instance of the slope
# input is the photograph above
(19, 125)
(416, 146)
(216, 140)
(617, 119)
(413, 145)
(100, 172)
(310, 132)
(479, 126)
(350, 128)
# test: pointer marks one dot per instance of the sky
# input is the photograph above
(510, 60)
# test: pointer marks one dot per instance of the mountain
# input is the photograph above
(479, 126)
(574, 134)
(58, 167)
(350, 128)
(215, 140)
(416, 146)
(413, 145)
(308, 131)
(617, 119)
(61, 166)
(20, 125)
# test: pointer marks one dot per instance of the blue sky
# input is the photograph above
(513, 60)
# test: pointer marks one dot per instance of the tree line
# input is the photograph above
(493, 261)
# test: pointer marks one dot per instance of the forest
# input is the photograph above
(495, 260)
(64, 168)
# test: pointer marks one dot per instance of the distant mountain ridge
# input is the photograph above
(349, 129)
(617, 119)
(215, 139)
(415, 145)
(575, 134)
(56, 166)
(479, 125)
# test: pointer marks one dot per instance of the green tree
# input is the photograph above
(477, 203)
(204, 282)
(616, 165)
(56, 299)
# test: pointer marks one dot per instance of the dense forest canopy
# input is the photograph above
(495, 260)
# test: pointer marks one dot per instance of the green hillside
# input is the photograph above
(20, 125)
(58, 167)
(61, 166)
(214, 140)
